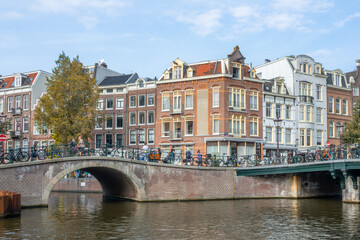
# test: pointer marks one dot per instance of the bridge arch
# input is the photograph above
(116, 181)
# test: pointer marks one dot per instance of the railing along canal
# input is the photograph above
(155, 155)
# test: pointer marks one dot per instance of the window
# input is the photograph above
(337, 80)
(177, 72)
(141, 84)
(151, 100)
(215, 96)
(337, 106)
(165, 102)
(25, 144)
(302, 112)
(253, 126)
(308, 113)
(216, 124)
(305, 89)
(119, 103)
(288, 112)
(151, 136)
(151, 117)
(17, 101)
(25, 124)
(338, 129)
(141, 116)
(9, 144)
(10, 103)
(141, 134)
(10, 124)
(318, 92)
(132, 137)
(26, 102)
(189, 99)
(331, 129)
(98, 140)
(17, 143)
(268, 110)
(119, 121)
(235, 125)
(189, 127)
(98, 122)
(269, 137)
(319, 115)
(109, 103)
(132, 120)
(1, 105)
(166, 75)
(279, 87)
(237, 98)
(109, 90)
(17, 81)
(177, 101)
(288, 136)
(108, 140)
(345, 106)
(17, 124)
(319, 137)
(100, 104)
(280, 139)
(331, 105)
(242, 129)
(119, 140)
(119, 90)
(165, 127)
(308, 137)
(317, 69)
(302, 137)
(109, 121)
(190, 73)
(132, 101)
(356, 91)
(254, 100)
(278, 111)
(141, 100)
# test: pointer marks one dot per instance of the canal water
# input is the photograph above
(87, 216)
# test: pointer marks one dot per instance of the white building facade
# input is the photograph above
(306, 81)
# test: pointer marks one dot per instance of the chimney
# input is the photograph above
(267, 60)
(358, 65)
(102, 63)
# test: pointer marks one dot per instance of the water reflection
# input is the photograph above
(87, 216)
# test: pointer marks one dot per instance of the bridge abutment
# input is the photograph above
(351, 191)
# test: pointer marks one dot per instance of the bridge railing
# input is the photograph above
(154, 155)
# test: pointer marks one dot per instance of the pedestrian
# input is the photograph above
(72, 145)
(198, 155)
(35, 151)
(172, 153)
(81, 145)
(188, 157)
(159, 150)
(146, 152)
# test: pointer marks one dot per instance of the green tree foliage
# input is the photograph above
(69, 105)
(351, 132)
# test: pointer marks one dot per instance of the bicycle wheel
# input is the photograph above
(177, 160)
(6, 158)
(23, 156)
(41, 154)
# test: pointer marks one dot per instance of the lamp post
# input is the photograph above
(277, 122)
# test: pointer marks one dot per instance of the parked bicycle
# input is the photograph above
(15, 155)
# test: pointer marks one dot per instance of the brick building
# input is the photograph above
(339, 112)
(212, 106)
(127, 104)
(354, 78)
(18, 98)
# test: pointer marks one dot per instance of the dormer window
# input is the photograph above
(318, 70)
(279, 88)
(236, 70)
(141, 84)
(337, 82)
(166, 75)
(177, 72)
(190, 73)
(17, 81)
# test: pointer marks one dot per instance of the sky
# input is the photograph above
(146, 36)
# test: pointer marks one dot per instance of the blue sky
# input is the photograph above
(145, 36)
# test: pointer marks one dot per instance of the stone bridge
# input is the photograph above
(146, 181)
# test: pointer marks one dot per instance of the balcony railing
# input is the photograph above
(176, 110)
(306, 99)
(16, 111)
(176, 135)
(15, 134)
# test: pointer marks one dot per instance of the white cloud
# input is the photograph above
(89, 22)
(283, 21)
(302, 5)
(324, 52)
(204, 23)
(348, 18)
(10, 15)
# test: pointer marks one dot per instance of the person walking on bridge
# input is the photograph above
(81, 145)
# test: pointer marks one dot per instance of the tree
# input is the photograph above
(69, 106)
(351, 132)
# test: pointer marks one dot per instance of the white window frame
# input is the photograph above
(132, 97)
(141, 95)
(106, 121)
(216, 97)
(149, 96)
(100, 104)
(131, 131)
(26, 102)
(24, 122)
(139, 114)
(148, 113)
(109, 108)
(148, 141)
(119, 103)
(130, 114)
(116, 125)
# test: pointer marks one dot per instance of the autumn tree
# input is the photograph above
(69, 106)
(351, 132)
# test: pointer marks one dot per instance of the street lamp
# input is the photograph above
(277, 122)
